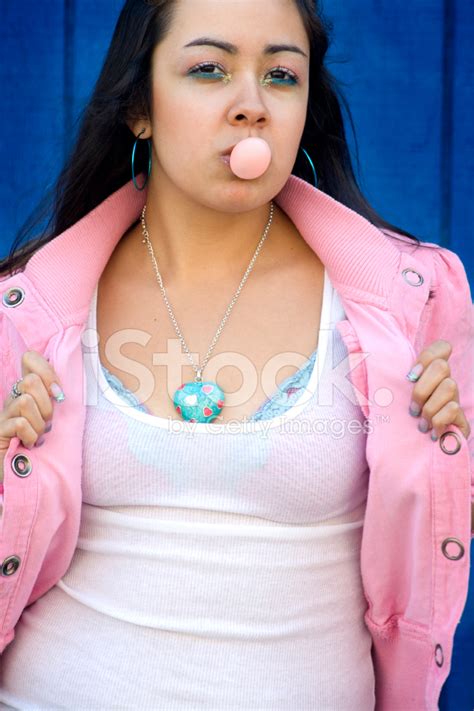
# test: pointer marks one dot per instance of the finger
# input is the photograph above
(26, 407)
(436, 372)
(34, 362)
(17, 427)
(437, 349)
(33, 385)
(451, 413)
(446, 392)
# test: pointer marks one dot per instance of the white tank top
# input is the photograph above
(215, 569)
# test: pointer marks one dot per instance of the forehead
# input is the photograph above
(248, 24)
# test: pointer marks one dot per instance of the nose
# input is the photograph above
(249, 106)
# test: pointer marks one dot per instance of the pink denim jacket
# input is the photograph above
(417, 530)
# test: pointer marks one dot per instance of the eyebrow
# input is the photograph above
(232, 49)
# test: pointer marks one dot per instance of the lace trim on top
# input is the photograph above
(281, 400)
(124, 393)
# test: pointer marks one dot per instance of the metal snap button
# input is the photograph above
(10, 565)
(439, 655)
(444, 548)
(21, 465)
(442, 445)
(13, 297)
(412, 283)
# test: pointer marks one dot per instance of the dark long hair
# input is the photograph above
(99, 162)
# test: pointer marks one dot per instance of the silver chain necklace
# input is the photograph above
(200, 401)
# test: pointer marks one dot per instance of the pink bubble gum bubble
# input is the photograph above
(250, 158)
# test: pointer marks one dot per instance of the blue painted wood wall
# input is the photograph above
(408, 77)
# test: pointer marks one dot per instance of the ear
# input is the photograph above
(136, 127)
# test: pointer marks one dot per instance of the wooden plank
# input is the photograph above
(391, 61)
(32, 116)
(462, 178)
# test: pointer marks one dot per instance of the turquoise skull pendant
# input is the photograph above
(199, 402)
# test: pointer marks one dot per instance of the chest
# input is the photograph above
(270, 332)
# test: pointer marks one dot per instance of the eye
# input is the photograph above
(293, 79)
(196, 71)
(205, 70)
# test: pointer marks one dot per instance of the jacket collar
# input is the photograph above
(359, 258)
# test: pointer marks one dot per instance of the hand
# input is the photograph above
(436, 393)
(28, 416)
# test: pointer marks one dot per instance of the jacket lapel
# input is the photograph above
(360, 259)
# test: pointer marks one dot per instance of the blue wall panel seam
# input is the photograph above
(68, 78)
(447, 123)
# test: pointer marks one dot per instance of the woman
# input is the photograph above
(148, 562)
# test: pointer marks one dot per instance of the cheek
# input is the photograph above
(184, 121)
(288, 137)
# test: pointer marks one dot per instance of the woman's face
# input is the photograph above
(245, 90)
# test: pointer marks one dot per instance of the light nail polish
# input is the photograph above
(415, 409)
(415, 373)
(58, 394)
(423, 425)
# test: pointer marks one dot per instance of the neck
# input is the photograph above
(191, 240)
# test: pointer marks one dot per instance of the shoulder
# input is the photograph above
(442, 308)
(444, 267)
(448, 313)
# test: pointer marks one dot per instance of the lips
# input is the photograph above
(229, 150)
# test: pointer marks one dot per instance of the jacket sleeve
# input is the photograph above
(5, 385)
(452, 318)
(4, 378)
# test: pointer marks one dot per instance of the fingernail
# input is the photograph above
(58, 394)
(48, 427)
(415, 409)
(39, 441)
(423, 425)
(434, 436)
(415, 373)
